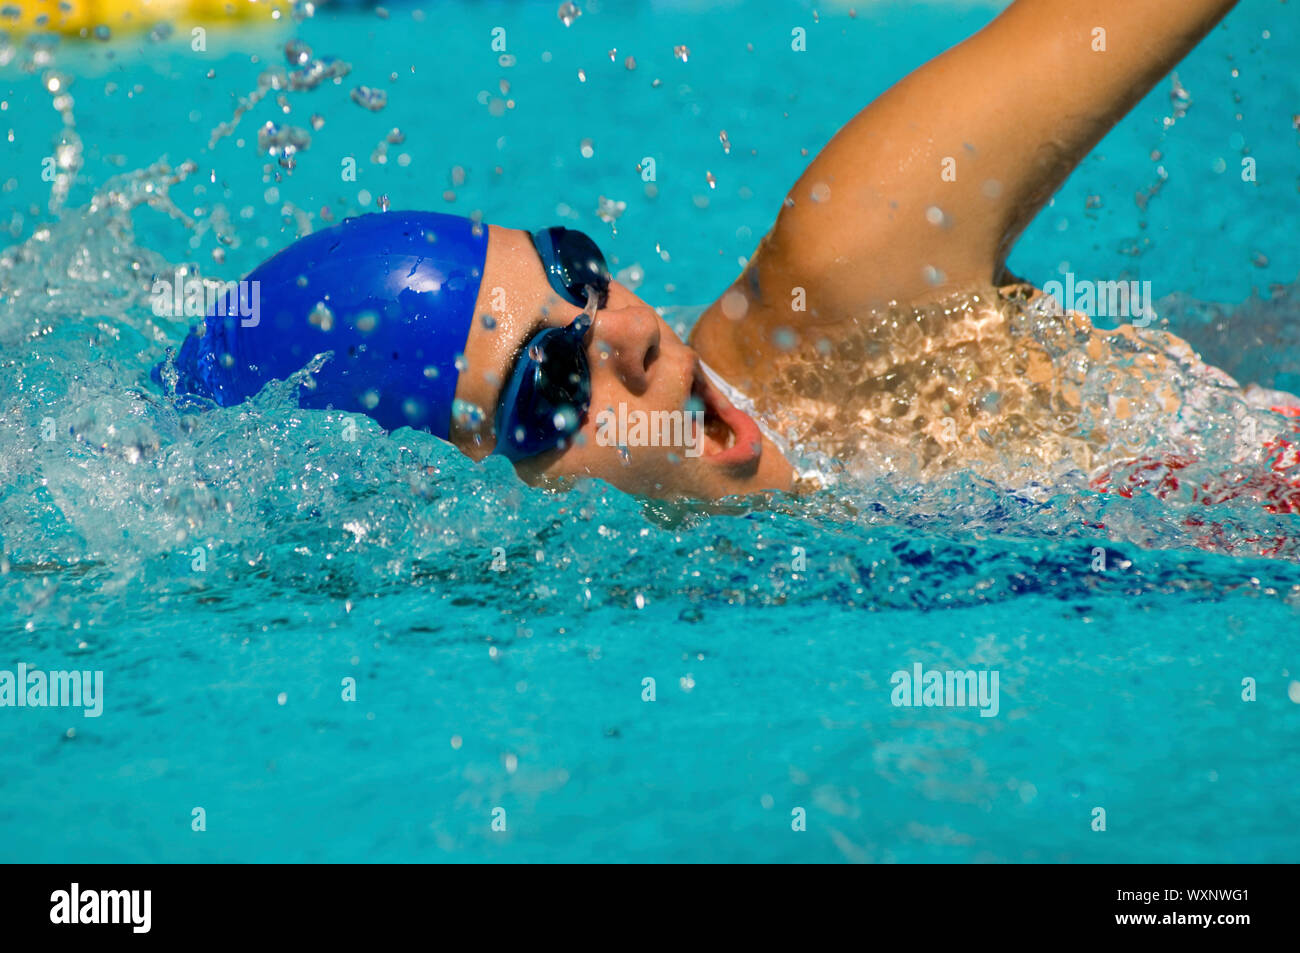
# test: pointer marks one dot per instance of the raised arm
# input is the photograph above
(882, 213)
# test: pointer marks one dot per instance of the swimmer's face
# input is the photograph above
(641, 373)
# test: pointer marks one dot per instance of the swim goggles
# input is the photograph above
(548, 390)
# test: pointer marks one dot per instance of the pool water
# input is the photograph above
(229, 571)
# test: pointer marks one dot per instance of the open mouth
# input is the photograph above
(730, 437)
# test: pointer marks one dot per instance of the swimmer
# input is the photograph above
(520, 343)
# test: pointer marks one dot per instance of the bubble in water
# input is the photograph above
(383, 203)
(708, 177)
(103, 33)
(726, 143)
(372, 99)
(630, 63)
(396, 137)
(582, 75)
(587, 149)
(568, 12)
(682, 53)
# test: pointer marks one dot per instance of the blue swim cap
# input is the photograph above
(391, 295)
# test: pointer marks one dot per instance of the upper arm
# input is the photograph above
(926, 188)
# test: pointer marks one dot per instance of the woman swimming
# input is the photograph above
(521, 343)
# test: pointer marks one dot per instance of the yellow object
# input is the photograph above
(80, 17)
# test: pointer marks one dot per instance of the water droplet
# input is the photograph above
(372, 99)
(565, 420)
(321, 316)
(587, 149)
(609, 210)
(370, 399)
(383, 203)
(488, 322)
(682, 53)
(582, 75)
(467, 415)
(735, 305)
(630, 63)
(568, 12)
(297, 53)
(726, 143)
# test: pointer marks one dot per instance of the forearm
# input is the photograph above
(1092, 78)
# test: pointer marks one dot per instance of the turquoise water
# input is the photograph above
(522, 689)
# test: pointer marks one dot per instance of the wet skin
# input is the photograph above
(636, 360)
(872, 221)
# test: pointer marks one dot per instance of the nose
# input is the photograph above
(626, 341)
